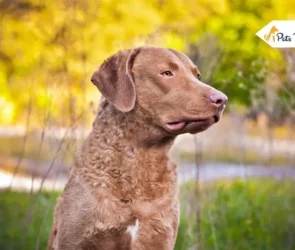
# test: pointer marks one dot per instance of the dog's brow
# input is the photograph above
(173, 65)
(195, 70)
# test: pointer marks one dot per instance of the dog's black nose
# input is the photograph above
(218, 98)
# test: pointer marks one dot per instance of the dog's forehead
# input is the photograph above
(184, 58)
(162, 55)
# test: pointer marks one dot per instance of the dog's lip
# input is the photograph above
(174, 126)
(179, 125)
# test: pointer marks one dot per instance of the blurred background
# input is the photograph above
(237, 178)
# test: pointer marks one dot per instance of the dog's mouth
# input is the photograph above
(174, 126)
(177, 126)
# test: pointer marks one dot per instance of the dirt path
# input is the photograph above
(186, 172)
(214, 171)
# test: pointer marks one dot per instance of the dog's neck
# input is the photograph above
(120, 148)
(134, 127)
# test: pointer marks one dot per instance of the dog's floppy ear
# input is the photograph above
(115, 81)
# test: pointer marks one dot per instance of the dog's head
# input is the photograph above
(165, 84)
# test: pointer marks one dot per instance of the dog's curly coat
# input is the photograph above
(122, 191)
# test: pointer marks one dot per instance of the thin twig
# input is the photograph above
(16, 169)
(197, 190)
(30, 208)
(213, 229)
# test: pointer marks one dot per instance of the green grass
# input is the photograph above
(235, 215)
(25, 220)
(252, 215)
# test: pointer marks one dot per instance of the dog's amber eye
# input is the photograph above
(199, 76)
(167, 73)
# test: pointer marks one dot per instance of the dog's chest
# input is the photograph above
(151, 222)
(148, 177)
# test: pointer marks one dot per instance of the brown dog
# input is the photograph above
(122, 190)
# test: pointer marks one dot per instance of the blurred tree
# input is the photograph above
(234, 60)
(52, 49)
(48, 50)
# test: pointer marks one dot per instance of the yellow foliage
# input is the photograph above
(7, 111)
(58, 44)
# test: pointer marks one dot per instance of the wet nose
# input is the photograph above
(218, 98)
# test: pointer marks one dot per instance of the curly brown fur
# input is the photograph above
(122, 191)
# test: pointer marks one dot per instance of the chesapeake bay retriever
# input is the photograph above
(122, 191)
